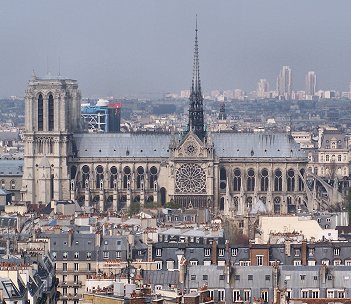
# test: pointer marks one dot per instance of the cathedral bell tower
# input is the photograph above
(52, 115)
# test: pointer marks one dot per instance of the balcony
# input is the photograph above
(70, 284)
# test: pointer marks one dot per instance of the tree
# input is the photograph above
(134, 208)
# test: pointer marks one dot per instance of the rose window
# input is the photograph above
(190, 178)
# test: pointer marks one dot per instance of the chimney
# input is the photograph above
(214, 253)
(70, 238)
(98, 239)
(287, 248)
(304, 252)
(149, 253)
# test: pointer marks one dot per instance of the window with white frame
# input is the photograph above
(158, 265)
(259, 260)
(170, 265)
(336, 251)
(76, 266)
(304, 293)
(64, 255)
(118, 254)
(234, 251)
(330, 293)
(106, 254)
(193, 262)
(311, 263)
(158, 252)
(221, 294)
(207, 252)
(88, 255)
(247, 295)
(297, 262)
(264, 295)
(236, 295)
(76, 255)
(347, 262)
(221, 252)
(315, 294)
(244, 263)
(207, 263)
(311, 252)
(325, 262)
(340, 294)
(337, 262)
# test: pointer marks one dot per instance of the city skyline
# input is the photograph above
(129, 49)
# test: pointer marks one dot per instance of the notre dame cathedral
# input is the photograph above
(231, 173)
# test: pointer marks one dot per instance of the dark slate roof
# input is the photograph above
(161, 277)
(11, 167)
(255, 145)
(157, 145)
(8, 135)
(122, 145)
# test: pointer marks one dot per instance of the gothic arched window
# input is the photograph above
(140, 176)
(152, 176)
(99, 171)
(277, 202)
(223, 179)
(85, 175)
(40, 113)
(278, 182)
(51, 112)
(126, 176)
(113, 176)
(237, 180)
(291, 180)
(264, 180)
(251, 180)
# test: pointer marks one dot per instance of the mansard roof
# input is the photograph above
(236, 145)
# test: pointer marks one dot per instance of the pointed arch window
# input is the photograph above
(278, 182)
(264, 180)
(291, 180)
(51, 112)
(140, 177)
(40, 113)
(237, 180)
(251, 180)
(99, 176)
(152, 177)
(223, 179)
(113, 177)
(126, 176)
(85, 175)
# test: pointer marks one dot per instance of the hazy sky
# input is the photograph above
(130, 47)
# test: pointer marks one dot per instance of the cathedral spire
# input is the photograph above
(196, 114)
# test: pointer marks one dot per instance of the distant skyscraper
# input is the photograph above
(284, 82)
(262, 88)
(311, 83)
